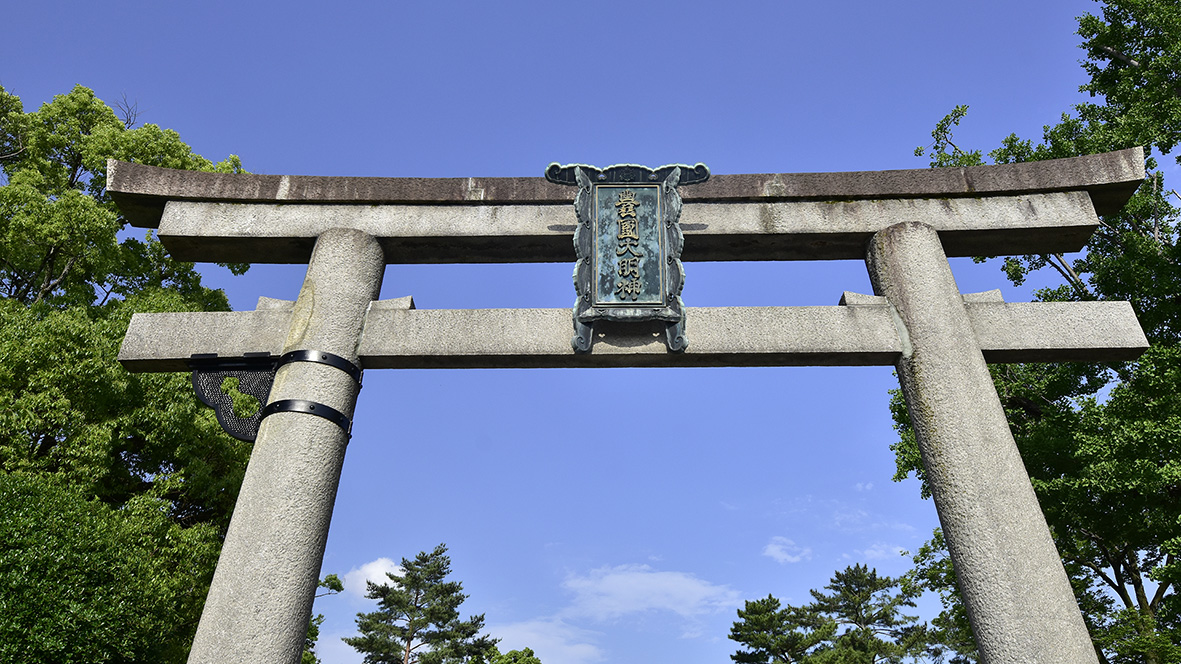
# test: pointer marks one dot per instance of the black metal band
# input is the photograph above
(247, 362)
(311, 408)
(255, 373)
(322, 357)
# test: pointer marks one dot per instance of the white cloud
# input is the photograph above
(849, 520)
(867, 486)
(611, 592)
(893, 525)
(553, 640)
(602, 594)
(374, 570)
(881, 550)
(783, 550)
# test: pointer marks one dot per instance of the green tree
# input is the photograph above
(145, 472)
(775, 635)
(950, 629)
(81, 581)
(494, 656)
(859, 621)
(417, 619)
(332, 585)
(868, 608)
(1106, 469)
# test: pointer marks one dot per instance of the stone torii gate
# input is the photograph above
(904, 224)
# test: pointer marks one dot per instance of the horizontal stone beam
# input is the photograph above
(718, 336)
(778, 230)
(1057, 331)
(165, 341)
(396, 336)
(141, 191)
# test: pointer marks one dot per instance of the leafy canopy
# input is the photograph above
(120, 485)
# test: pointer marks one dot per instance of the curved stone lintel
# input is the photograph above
(1110, 178)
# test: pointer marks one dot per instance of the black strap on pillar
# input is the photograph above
(311, 408)
(255, 373)
(322, 357)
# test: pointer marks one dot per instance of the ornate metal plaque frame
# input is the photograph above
(628, 245)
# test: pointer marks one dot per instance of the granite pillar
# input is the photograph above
(1016, 592)
(261, 598)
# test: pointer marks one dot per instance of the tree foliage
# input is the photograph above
(417, 619)
(58, 239)
(330, 585)
(859, 621)
(779, 635)
(1101, 442)
(127, 481)
(83, 582)
(522, 656)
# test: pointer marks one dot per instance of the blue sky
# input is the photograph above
(586, 543)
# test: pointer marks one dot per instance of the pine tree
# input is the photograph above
(417, 619)
(774, 635)
(869, 609)
(858, 622)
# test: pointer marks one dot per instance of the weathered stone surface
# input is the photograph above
(782, 230)
(1017, 595)
(261, 597)
(140, 191)
(155, 342)
(723, 336)
(863, 333)
(1056, 331)
(1110, 179)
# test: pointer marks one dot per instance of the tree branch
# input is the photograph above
(1138, 583)
(1100, 573)
(1069, 274)
(46, 266)
(1162, 588)
(1118, 56)
(1118, 584)
(20, 149)
(128, 111)
(1156, 185)
(48, 288)
(17, 283)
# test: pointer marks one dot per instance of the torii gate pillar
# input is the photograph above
(998, 539)
(258, 605)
